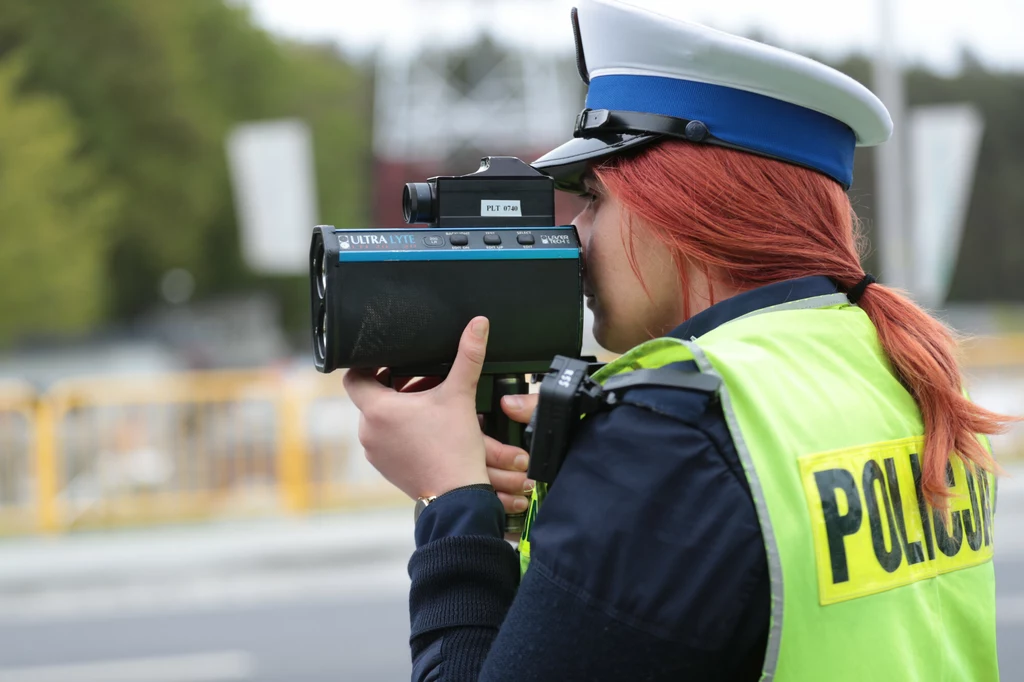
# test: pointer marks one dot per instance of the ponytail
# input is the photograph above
(752, 221)
(922, 352)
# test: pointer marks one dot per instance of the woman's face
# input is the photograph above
(624, 313)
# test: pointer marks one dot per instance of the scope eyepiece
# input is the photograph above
(418, 202)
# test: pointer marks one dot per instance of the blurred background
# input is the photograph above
(181, 496)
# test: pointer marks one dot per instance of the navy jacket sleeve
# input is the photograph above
(647, 564)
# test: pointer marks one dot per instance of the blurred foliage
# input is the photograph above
(55, 215)
(113, 169)
(991, 262)
(137, 99)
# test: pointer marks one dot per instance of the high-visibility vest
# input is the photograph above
(868, 583)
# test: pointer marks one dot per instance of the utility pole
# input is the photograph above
(893, 224)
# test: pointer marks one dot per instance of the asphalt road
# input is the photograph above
(319, 636)
(329, 629)
(302, 615)
(305, 640)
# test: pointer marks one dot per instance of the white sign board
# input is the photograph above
(944, 145)
(274, 183)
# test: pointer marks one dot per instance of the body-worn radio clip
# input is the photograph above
(567, 392)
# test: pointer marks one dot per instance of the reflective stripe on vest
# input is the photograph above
(867, 582)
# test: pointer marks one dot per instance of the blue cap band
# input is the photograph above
(761, 124)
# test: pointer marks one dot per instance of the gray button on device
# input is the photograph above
(492, 239)
(525, 239)
(459, 239)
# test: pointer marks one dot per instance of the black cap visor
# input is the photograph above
(568, 163)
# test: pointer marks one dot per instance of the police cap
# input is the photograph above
(653, 76)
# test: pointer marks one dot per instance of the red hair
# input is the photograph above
(748, 221)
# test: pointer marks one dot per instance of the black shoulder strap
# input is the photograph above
(664, 377)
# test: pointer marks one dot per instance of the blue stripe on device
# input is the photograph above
(469, 254)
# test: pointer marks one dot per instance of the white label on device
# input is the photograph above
(501, 207)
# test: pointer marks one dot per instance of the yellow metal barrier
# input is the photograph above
(18, 432)
(119, 451)
(994, 366)
(339, 473)
(109, 451)
(293, 452)
(993, 351)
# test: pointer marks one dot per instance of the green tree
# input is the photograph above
(155, 87)
(53, 216)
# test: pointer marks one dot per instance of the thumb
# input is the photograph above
(520, 408)
(465, 372)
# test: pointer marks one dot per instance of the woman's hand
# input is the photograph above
(428, 442)
(506, 464)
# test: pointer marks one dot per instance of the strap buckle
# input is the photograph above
(594, 122)
(589, 120)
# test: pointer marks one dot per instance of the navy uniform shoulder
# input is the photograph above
(696, 407)
(651, 519)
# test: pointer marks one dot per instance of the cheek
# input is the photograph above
(620, 303)
(601, 248)
(625, 314)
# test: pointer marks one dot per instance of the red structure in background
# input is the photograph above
(390, 177)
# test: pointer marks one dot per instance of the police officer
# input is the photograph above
(819, 508)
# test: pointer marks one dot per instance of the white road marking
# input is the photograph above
(217, 666)
(207, 593)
